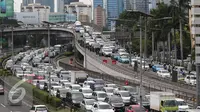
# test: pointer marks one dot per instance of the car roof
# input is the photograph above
(101, 103)
(39, 105)
(179, 99)
(135, 105)
(99, 92)
(108, 87)
(85, 88)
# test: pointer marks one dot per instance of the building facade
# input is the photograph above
(195, 31)
(56, 5)
(113, 9)
(60, 17)
(81, 10)
(69, 1)
(26, 2)
(100, 16)
(94, 5)
(42, 11)
(140, 5)
(27, 17)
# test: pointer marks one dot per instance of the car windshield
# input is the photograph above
(116, 100)
(102, 95)
(77, 96)
(181, 103)
(87, 91)
(159, 66)
(169, 103)
(193, 78)
(75, 87)
(165, 71)
(110, 90)
(19, 72)
(108, 50)
(41, 108)
(104, 106)
(125, 94)
(90, 102)
(131, 89)
(124, 57)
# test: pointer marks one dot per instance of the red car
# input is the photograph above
(135, 108)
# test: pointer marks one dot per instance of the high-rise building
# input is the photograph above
(69, 1)
(42, 10)
(100, 16)
(113, 10)
(56, 5)
(140, 5)
(83, 11)
(26, 2)
(94, 5)
(195, 31)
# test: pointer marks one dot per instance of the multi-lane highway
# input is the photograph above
(150, 80)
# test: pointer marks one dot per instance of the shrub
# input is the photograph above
(54, 101)
(68, 53)
(39, 94)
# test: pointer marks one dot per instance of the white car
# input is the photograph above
(190, 79)
(163, 73)
(106, 52)
(88, 83)
(39, 108)
(122, 52)
(109, 90)
(101, 107)
(19, 73)
(74, 87)
(87, 92)
(125, 95)
(86, 104)
(54, 90)
(99, 95)
(41, 84)
(182, 105)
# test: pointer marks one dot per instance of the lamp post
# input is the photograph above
(12, 45)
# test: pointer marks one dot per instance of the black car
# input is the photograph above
(116, 102)
(74, 98)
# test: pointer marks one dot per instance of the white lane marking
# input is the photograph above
(3, 105)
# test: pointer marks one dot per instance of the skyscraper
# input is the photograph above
(56, 5)
(95, 4)
(113, 9)
(140, 5)
(26, 2)
(69, 1)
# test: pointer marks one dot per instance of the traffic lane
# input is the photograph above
(161, 83)
(5, 107)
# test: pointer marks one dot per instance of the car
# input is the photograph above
(74, 98)
(109, 90)
(41, 84)
(61, 93)
(130, 89)
(122, 52)
(1, 89)
(123, 59)
(99, 95)
(101, 107)
(135, 100)
(39, 108)
(135, 108)
(115, 56)
(155, 68)
(66, 84)
(54, 90)
(87, 92)
(125, 95)
(116, 102)
(106, 52)
(19, 74)
(163, 73)
(86, 105)
(182, 105)
(88, 83)
(190, 79)
(74, 87)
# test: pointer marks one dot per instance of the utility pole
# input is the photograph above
(130, 49)
(140, 63)
(153, 46)
(12, 46)
(181, 41)
(169, 48)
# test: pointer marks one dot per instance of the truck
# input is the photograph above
(78, 77)
(163, 102)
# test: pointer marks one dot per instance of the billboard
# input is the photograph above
(6, 8)
(27, 17)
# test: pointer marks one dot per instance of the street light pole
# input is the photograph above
(140, 63)
(12, 46)
(153, 45)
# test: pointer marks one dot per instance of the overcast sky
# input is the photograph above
(17, 4)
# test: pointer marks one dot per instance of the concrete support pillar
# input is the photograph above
(198, 84)
(9, 42)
